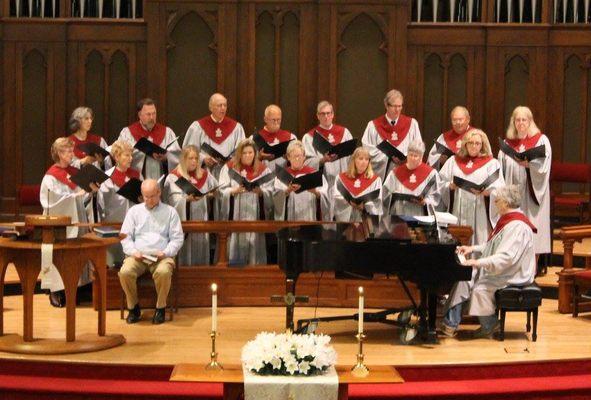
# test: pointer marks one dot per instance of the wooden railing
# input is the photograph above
(569, 235)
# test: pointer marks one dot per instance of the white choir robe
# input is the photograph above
(112, 207)
(371, 138)
(58, 198)
(343, 212)
(468, 207)
(393, 185)
(244, 248)
(433, 156)
(195, 250)
(300, 206)
(153, 168)
(331, 169)
(539, 215)
(507, 259)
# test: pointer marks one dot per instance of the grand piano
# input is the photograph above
(424, 256)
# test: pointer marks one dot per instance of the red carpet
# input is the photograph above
(570, 379)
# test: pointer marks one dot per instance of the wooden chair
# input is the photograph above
(581, 286)
(519, 298)
(571, 173)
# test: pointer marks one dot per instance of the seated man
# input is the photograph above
(154, 236)
(507, 259)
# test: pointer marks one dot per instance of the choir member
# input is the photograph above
(475, 164)
(153, 165)
(192, 207)
(451, 141)
(80, 124)
(273, 135)
(60, 196)
(111, 205)
(292, 206)
(532, 177)
(396, 128)
(507, 258)
(334, 134)
(216, 130)
(359, 180)
(246, 168)
(414, 178)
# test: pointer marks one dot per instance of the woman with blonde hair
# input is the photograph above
(80, 124)
(358, 189)
(191, 207)
(246, 186)
(469, 179)
(531, 175)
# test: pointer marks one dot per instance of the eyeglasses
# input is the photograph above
(474, 143)
(325, 113)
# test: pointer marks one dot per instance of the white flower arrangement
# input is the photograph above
(288, 354)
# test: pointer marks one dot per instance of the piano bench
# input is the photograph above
(525, 298)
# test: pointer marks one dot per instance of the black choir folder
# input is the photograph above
(468, 185)
(132, 190)
(93, 149)
(443, 150)
(89, 174)
(189, 189)
(341, 150)
(411, 197)
(374, 194)
(390, 151)
(277, 150)
(149, 148)
(306, 182)
(250, 185)
(210, 151)
(528, 155)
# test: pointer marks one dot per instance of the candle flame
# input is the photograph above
(214, 287)
(361, 290)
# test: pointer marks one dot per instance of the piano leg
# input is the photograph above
(432, 305)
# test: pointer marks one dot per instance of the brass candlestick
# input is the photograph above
(360, 370)
(213, 364)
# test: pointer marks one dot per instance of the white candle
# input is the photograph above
(214, 307)
(360, 326)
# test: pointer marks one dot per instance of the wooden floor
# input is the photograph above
(186, 339)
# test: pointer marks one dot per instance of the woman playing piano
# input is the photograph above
(412, 185)
(246, 182)
(357, 190)
(191, 206)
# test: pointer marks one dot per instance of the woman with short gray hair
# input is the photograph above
(80, 124)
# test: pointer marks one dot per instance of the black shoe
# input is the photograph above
(159, 315)
(134, 315)
(58, 298)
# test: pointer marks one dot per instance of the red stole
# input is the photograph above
(335, 133)
(248, 171)
(394, 134)
(357, 185)
(452, 138)
(77, 142)
(274, 138)
(156, 134)
(471, 164)
(63, 174)
(197, 182)
(412, 178)
(120, 178)
(521, 145)
(511, 216)
(217, 131)
(305, 170)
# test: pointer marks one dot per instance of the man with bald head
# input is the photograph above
(273, 135)
(218, 131)
(153, 237)
(450, 142)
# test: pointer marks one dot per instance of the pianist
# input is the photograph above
(507, 258)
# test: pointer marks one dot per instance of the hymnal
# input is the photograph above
(93, 149)
(411, 197)
(390, 151)
(149, 259)
(132, 190)
(149, 148)
(528, 155)
(106, 231)
(341, 150)
(189, 189)
(250, 185)
(467, 185)
(306, 182)
(210, 151)
(443, 150)
(357, 200)
(89, 174)
(277, 150)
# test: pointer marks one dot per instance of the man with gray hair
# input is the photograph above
(153, 237)
(507, 258)
(273, 135)
(395, 128)
(450, 142)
